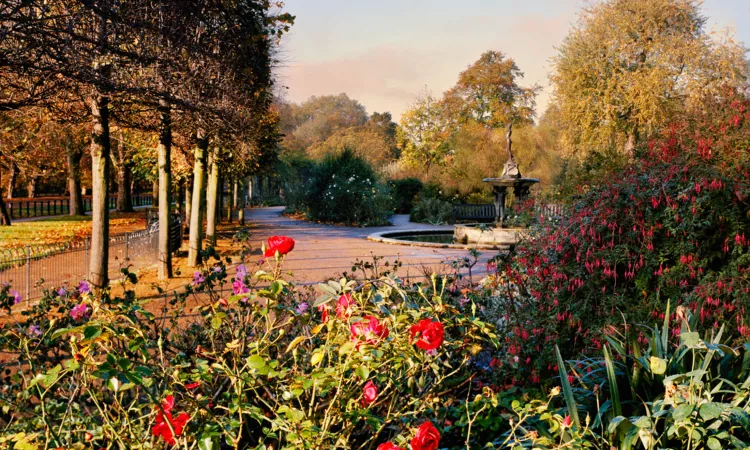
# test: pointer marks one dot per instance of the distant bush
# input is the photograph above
(405, 192)
(344, 188)
(432, 210)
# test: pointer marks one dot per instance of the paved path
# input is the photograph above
(325, 251)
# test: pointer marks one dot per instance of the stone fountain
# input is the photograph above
(499, 234)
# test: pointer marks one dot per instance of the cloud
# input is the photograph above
(387, 77)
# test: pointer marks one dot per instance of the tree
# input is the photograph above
(487, 92)
(629, 67)
(424, 132)
(366, 142)
(318, 118)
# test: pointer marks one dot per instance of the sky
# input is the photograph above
(384, 53)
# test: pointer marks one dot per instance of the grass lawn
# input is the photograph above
(64, 229)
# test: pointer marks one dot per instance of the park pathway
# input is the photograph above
(325, 251)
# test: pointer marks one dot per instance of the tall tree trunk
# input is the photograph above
(164, 152)
(124, 170)
(213, 198)
(188, 201)
(631, 143)
(4, 216)
(155, 192)
(74, 156)
(12, 178)
(124, 195)
(31, 189)
(250, 191)
(100, 149)
(199, 183)
(235, 194)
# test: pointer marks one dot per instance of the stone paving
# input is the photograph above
(325, 251)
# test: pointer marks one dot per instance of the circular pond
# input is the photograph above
(427, 238)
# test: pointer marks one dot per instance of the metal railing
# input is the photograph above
(486, 211)
(32, 269)
(20, 208)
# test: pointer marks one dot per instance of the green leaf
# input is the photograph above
(567, 391)
(614, 391)
(682, 412)
(346, 348)
(363, 372)
(713, 443)
(207, 442)
(690, 339)
(658, 365)
(256, 362)
(710, 411)
(91, 332)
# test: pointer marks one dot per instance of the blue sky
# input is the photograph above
(383, 53)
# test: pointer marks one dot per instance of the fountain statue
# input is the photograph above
(511, 177)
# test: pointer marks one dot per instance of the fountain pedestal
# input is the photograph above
(499, 234)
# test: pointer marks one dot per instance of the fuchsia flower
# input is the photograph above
(16, 297)
(198, 278)
(80, 311)
(369, 330)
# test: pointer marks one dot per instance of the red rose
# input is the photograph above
(344, 306)
(369, 330)
(369, 394)
(389, 446)
(429, 334)
(323, 312)
(281, 244)
(427, 437)
(193, 385)
(161, 428)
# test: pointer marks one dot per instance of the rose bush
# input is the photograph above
(253, 368)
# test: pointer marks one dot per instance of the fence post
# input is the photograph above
(127, 244)
(27, 249)
(86, 258)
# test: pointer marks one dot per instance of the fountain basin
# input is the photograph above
(500, 237)
(430, 238)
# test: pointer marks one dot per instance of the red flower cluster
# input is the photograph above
(427, 438)
(369, 330)
(429, 334)
(164, 420)
(280, 244)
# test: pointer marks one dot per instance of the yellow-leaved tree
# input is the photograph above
(630, 67)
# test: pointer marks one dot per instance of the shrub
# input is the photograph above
(432, 210)
(368, 362)
(667, 390)
(345, 189)
(673, 225)
(405, 194)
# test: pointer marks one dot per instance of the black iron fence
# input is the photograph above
(20, 208)
(486, 212)
(34, 268)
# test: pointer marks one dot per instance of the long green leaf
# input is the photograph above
(567, 391)
(613, 389)
(665, 335)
